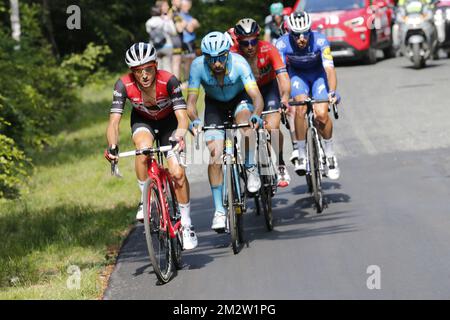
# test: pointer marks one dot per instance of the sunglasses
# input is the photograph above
(304, 34)
(221, 59)
(148, 69)
(247, 43)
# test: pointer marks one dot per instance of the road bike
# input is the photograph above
(316, 161)
(234, 195)
(268, 174)
(162, 218)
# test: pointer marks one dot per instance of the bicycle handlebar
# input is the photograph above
(306, 102)
(312, 101)
(266, 113)
(145, 151)
(227, 127)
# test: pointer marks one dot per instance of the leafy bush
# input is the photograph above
(38, 94)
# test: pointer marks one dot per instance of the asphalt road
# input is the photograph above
(390, 209)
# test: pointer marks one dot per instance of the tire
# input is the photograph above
(417, 58)
(266, 199)
(257, 205)
(389, 52)
(232, 218)
(158, 240)
(316, 179)
(370, 57)
(174, 213)
(309, 183)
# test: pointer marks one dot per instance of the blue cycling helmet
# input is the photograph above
(276, 9)
(216, 43)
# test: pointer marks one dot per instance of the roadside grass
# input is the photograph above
(72, 212)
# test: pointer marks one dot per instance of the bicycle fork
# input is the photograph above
(230, 162)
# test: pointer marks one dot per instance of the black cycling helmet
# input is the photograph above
(246, 27)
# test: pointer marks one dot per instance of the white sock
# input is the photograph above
(301, 145)
(141, 185)
(328, 148)
(185, 210)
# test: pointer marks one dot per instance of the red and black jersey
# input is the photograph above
(169, 96)
(269, 62)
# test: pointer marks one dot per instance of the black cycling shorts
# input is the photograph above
(166, 127)
(216, 113)
(271, 96)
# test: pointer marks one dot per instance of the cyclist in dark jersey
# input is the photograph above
(159, 112)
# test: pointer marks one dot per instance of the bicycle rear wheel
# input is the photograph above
(175, 216)
(157, 235)
(316, 177)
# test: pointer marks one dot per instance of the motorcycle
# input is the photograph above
(419, 40)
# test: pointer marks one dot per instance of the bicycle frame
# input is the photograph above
(159, 175)
(230, 152)
(311, 120)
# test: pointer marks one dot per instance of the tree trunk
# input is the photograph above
(47, 20)
(15, 20)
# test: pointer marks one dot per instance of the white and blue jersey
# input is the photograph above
(306, 67)
(239, 77)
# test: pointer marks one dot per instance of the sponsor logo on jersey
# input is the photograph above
(281, 45)
(117, 94)
(320, 42)
(327, 54)
(177, 89)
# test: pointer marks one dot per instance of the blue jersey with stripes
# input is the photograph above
(314, 57)
(238, 77)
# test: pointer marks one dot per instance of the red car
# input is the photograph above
(356, 29)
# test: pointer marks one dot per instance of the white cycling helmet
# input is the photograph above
(299, 22)
(139, 54)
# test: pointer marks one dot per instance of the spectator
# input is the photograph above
(190, 25)
(177, 40)
(161, 29)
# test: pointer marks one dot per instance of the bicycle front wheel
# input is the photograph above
(157, 233)
(232, 219)
(175, 216)
(316, 177)
(266, 199)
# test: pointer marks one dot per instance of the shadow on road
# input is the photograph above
(292, 221)
(429, 65)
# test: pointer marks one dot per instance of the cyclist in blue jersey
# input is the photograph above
(225, 77)
(307, 55)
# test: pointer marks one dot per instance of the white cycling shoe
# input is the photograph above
(140, 213)
(219, 222)
(299, 163)
(189, 238)
(333, 171)
(253, 180)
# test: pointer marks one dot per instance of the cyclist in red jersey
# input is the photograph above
(272, 78)
(159, 112)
